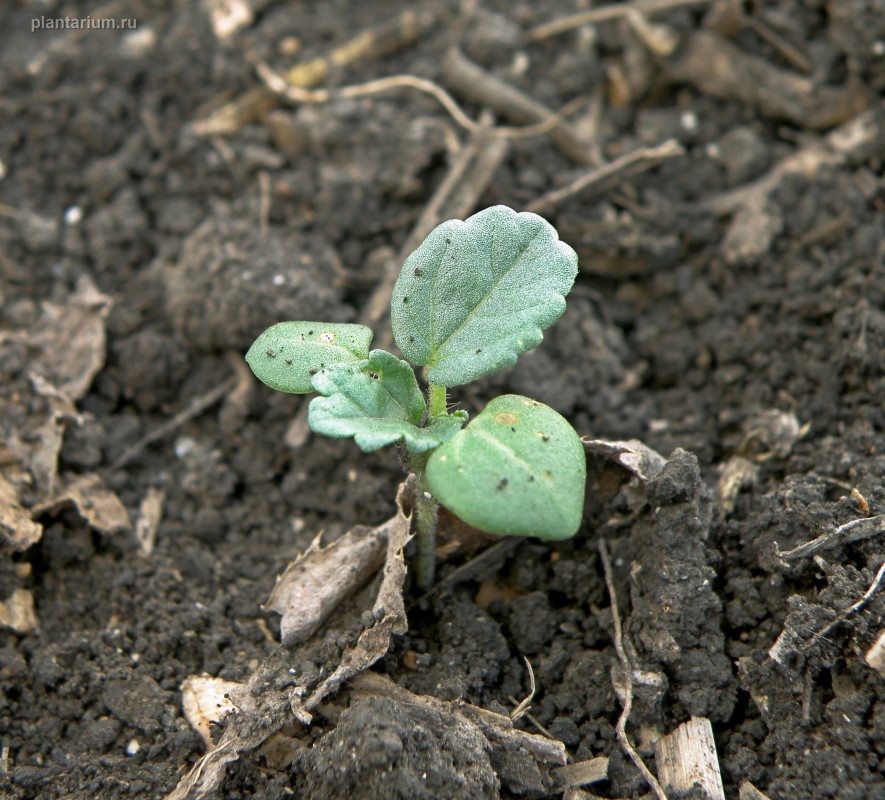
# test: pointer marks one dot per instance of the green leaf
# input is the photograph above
(518, 468)
(287, 355)
(476, 294)
(378, 402)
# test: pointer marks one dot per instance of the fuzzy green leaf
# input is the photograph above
(519, 468)
(378, 402)
(287, 354)
(476, 294)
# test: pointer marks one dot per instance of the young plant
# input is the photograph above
(468, 301)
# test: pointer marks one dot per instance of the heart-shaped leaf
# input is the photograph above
(476, 294)
(287, 355)
(378, 402)
(518, 468)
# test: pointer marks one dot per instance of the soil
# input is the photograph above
(734, 340)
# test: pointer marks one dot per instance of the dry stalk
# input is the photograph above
(605, 14)
(281, 87)
(627, 667)
(605, 176)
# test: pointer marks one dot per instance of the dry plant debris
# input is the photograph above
(17, 528)
(261, 711)
(687, 761)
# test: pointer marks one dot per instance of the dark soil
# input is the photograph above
(761, 352)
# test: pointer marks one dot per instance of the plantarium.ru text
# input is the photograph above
(469, 300)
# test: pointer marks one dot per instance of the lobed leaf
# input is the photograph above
(519, 468)
(378, 402)
(287, 355)
(476, 294)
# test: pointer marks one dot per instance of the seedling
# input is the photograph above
(468, 301)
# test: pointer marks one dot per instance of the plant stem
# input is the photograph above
(426, 509)
(425, 532)
(437, 400)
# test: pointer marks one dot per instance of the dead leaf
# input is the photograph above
(17, 530)
(632, 455)
(42, 458)
(71, 340)
(205, 700)
(735, 474)
(776, 431)
(389, 609)
(315, 583)
(93, 501)
(263, 711)
(17, 612)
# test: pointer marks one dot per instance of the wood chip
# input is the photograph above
(150, 512)
(750, 792)
(687, 761)
(17, 612)
(875, 656)
(583, 772)
(18, 531)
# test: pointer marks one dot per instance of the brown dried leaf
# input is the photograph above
(71, 340)
(389, 609)
(42, 458)
(315, 583)
(262, 711)
(17, 530)
(93, 501)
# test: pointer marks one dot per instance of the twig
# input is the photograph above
(787, 49)
(468, 79)
(604, 14)
(455, 198)
(857, 529)
(390, 36)
(874, 586)
(605, 176)
(850, 141)
(719, 68)
(627, 668)
(524, 706)
(534, 720)
(281, 87)
(263, 203)
(196, 407)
